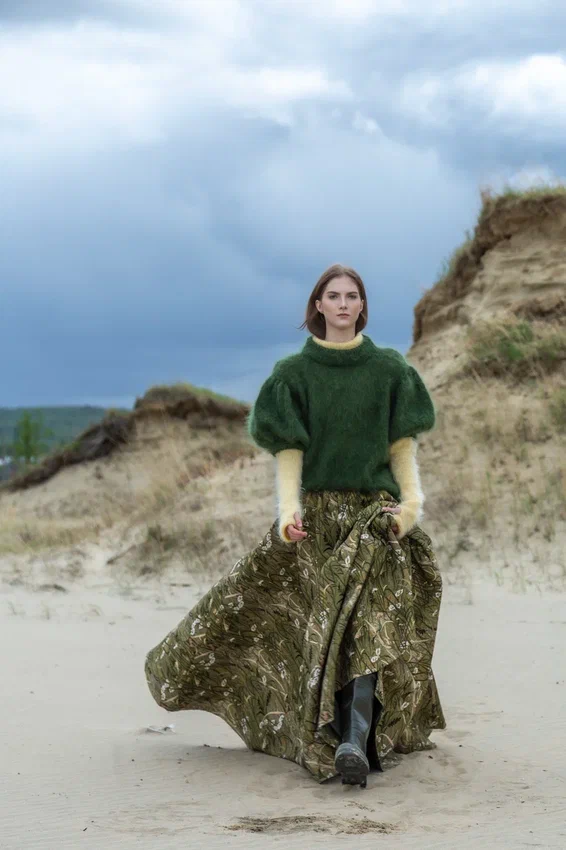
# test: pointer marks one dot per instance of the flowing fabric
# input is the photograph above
(272, 641)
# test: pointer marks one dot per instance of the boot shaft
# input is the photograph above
(356, 705)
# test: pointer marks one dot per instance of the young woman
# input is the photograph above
(317, 646)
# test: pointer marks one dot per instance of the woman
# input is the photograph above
(317, 646)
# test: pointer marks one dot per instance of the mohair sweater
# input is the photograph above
(401, 454)
(342, 407)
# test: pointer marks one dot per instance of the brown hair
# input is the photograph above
(314, 320)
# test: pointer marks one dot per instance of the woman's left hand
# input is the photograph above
(406, 519)
(394, 509)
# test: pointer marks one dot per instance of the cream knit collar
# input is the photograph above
(350, 353)
(351, 343)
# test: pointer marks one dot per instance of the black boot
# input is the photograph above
(356, 701)
(373, 758)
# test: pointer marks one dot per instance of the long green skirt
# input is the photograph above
(270, 643)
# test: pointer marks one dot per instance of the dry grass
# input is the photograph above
(203, 532)
(460, 253)
(188, 539)
(515, 349)
(31, 535)
(508, 196)
(169, 394)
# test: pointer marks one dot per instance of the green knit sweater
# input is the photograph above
(343, 408)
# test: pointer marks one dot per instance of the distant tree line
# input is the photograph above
(28, 444)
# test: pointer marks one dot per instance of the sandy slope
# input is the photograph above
(79, 769)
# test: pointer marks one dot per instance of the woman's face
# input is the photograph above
(341, 303)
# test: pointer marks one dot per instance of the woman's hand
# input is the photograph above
(395, 509)
(295, 531)
(409, 511)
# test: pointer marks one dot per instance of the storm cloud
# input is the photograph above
(175, 181)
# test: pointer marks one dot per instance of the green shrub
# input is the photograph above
(513, 347)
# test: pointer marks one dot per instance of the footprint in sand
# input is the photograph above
(312, 823)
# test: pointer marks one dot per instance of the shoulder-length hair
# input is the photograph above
(314, 320)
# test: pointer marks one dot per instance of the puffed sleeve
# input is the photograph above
(411, 407)
(275, 422)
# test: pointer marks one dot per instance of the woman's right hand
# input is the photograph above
(295, 531)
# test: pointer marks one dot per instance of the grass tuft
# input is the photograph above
(513, 347)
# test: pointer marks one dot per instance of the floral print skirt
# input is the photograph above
(272, 641)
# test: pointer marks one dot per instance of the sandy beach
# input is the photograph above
(81, 769)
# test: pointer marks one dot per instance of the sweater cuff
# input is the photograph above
(289, 473)
(405, 469)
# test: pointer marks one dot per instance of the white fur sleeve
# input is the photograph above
(404, 466)
(288, 475)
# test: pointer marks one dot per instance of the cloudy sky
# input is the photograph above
(177, 174)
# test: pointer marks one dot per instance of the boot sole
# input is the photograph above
(351, 763)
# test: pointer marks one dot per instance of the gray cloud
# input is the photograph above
(172, 226)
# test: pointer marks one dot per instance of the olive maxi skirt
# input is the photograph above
(270, 644)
